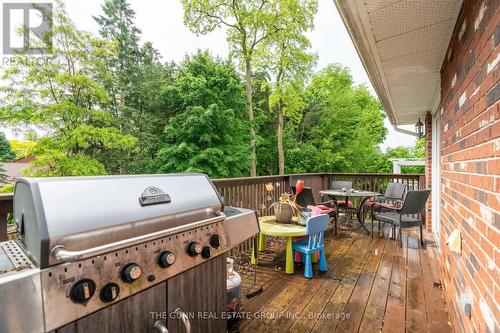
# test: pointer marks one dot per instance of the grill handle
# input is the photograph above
(185, 319)
(60, 253)
(160, 327)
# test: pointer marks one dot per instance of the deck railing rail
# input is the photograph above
(250, 192)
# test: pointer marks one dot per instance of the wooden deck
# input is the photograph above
(372, 285)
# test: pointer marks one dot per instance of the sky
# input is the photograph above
(162, 24)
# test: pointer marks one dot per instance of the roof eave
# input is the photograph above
(368, 61)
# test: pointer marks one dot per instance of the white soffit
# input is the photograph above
(402, 44)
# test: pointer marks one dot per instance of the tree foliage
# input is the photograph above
(6, 152)
(248, 24)
(341, 127)
(383, 164)
(64, 97)
(290, 63)
(131, 76)
(209, 134)
(109, 104)
(22, 148)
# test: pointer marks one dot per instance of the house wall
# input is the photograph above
(428, 167)
(470, 176)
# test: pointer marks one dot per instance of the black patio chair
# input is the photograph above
(339, 185)
(306, 198)
(394, 191)
(393, 197)
(407, 216)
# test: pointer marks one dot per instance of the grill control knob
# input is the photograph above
(82, 290)
(215, 241)
(166, 258)
(205, 253)
(194, 249)
(110, 292)
(131, 272)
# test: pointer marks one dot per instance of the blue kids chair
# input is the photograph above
(315, 228)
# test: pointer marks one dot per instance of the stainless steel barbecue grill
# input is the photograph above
(119, 253)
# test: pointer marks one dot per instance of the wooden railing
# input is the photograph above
(249, 192)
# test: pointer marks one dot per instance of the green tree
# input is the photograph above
(342, 124)
(6, 153)
(383, 164)
(265, 124)
(209, 134)
(204, 140)
(21, 148)
(62, 96)
(117, 24)
(248, 24)
(202, 80)
(155, 89)
(289, 62)
(131, 72)
(418, 151)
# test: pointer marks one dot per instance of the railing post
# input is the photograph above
(421, 182)
(289, 182)
(324, 181)
(5, 208)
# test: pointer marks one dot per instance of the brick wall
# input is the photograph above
(428, 167)
(470, 176)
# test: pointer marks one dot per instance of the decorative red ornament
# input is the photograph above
(298, 188)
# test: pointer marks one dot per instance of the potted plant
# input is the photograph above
(285, 208)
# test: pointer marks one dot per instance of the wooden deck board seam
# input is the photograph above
(337, 248)
(371, 283)
(352, 241)
(369, 277)
(365, 260)
(391, 255)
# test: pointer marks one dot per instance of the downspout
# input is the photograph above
(400, 130)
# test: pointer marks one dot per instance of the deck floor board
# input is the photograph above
(372, 285)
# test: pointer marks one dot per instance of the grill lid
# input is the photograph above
(89, 212)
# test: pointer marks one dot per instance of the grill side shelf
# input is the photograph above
(13, 258)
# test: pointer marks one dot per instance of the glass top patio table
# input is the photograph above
(348, 193)
(364, 195)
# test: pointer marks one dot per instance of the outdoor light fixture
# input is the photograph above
(419, 128)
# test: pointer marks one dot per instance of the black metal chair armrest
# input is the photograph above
(389, 207)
